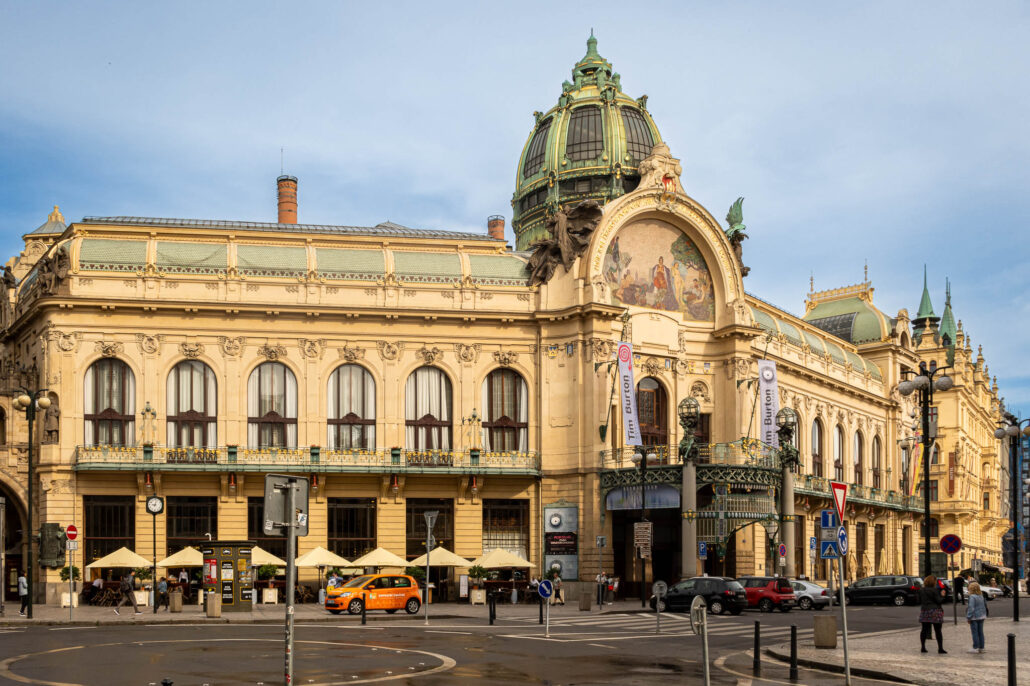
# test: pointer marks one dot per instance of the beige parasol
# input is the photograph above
(498, 558)
(187, 557)
(380, 557)
(320, 557)
(123, 557)
(441, 557)
(260, 557)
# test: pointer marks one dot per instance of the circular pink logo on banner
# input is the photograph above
(624, 353)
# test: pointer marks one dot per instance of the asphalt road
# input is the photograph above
(589, 649)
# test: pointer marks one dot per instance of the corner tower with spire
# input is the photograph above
(925, 322)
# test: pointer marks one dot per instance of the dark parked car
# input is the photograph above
(768, 593)
(722, 594)
(894, 589)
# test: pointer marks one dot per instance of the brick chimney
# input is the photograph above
(287, 199)
(495, 226)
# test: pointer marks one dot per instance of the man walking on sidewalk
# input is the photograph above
(128, 593)
(23, 592)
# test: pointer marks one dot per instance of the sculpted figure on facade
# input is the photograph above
(429, 355)
(700, 391)
(735, 232)
(312, 348)
(148, 344)
(389, 351)
(231, 346)
(661, 170)
(570, 235)
(272, 352)
(52, 270)
(191, 351)
(52, 421)
(350, 354)
(506, 358)
(111, 349)
(467, 353)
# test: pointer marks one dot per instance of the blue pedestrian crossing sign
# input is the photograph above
(828, 519)
(828, 550)
(842, 540)
(545, 589)
(702, 550)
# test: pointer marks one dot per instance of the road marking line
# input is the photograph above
(435, 631)
(598, 645)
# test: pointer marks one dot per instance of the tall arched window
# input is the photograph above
(838, 453)
(935, 454)
(585, 140)
(505, 411)
(272, 407)
(352, 409)
(192, 406)
(817, 448)
(876, 462)
(857, 458)
(110, 403)
(427, 410)
(652, 411)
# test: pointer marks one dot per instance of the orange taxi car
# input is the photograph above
(390, 592)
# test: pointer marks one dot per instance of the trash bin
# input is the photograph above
(824, 631)
(514, 597)
(213, 604)
(175, 601)
(586, 601)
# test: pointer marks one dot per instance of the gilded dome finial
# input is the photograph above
(56, 215)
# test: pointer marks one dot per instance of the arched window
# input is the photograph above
(838, 453)
(505, 411)
(427, 410)
(652, 411)
(272, 407)
(817, 448)
(585, 140)
(935, 454)
(110, 403)
(638, 135)
(905, 466)
(935, 528)
(537, 150)
(857, 459)
(352, 409)
(192, 406)
(876, 462)
(3, 427)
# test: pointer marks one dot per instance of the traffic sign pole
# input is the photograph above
(842, 550)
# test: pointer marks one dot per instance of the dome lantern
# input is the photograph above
(587, 146)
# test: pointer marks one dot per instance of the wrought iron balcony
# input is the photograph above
(313, 459)
(820, 486)
(745, 452)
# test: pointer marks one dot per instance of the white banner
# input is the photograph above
(768, 402)
(628, 395)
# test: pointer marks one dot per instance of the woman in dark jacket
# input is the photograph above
(931, 613)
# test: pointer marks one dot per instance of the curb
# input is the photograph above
(195, 620)
(839, 669)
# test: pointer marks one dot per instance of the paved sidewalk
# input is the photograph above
(895, 654)
(274, 614)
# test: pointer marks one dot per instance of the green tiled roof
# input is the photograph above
(192, 258)
(852, 319)
(271, 260)
(426, 267)
(874, 370)
(857, 362)
(835, 352)
(790, 331)
(499, 270)
(102, 254)
(815, 343)
(365, 265)
(764, 321)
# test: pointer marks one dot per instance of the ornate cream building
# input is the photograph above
(404, 370)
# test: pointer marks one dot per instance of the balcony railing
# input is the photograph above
(743, 452)
(818, 485)
(227, 458)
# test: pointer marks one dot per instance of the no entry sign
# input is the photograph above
(71, 532)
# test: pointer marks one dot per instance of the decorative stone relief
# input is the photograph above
(486, 296)
(389, 351)
(109, 349)
(601, 349)
(429, 355)
(447, 294)
(56, 486)
(700, 391)
(682, 342)
(252, 288)
(231, 346)
(272, 352)
(350, 354)
(148, 344)
(737, 368)
(683, 366)
(506, 358)
(368, 291)
(311, 348)
(467, 353)
(524, 297)
(66, 342)
(652, 367)
(191, 350)
(293, 289)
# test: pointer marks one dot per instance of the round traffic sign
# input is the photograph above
(842, 540)
(545, 589)
(783, 550)
(660, 589)
(951, 544)
(71, 532)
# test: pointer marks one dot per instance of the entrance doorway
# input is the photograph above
(665, 549)
(13, 543)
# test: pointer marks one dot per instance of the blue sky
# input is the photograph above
(890, 132)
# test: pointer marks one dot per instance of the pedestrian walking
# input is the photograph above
(960, 583)
(931, 613)
(559, 593)
(976, 613)
(602, 586)
(128, 594)
(23, 592)
(162, 595)
(184, 584)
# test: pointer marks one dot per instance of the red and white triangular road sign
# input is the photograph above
(840, 494)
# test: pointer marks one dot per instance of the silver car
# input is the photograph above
(810, 596)
(991, 592)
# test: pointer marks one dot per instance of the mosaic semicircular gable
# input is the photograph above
(653, 264)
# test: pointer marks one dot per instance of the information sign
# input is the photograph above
(828, 519)
(659, 589)
(811, 543)
(72, 545)
(702, 550)
(642, 538)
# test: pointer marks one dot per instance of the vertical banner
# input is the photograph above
(628, 395)
(917, 469)
(768, 402)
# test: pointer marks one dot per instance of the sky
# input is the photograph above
(893, 134)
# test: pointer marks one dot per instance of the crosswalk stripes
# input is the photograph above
(671, 623)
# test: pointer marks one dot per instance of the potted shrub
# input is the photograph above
(477, 574)
(70, 574)
(267, 573)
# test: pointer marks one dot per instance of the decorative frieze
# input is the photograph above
(506, 358)
(112, 349)
(349, 354)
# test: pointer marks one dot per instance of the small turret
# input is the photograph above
(949, 332)
(925, 321)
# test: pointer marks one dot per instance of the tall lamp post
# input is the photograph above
(641, 461)
(689, 412)
(786, 425)
(772, 527)
(925, 384)
(1012, 430)
(28, 401)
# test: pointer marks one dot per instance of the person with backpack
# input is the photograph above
(128, 593)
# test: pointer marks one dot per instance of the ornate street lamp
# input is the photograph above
(28, 401)
(772, 527)
(925, 384)
(1012, 430)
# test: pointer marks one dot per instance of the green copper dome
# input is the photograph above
(586, 146)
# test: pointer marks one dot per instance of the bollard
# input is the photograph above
(166, 682)
(363, 603)
(490, 608)
(756, 666)
(793, 652)
(540, 602)
(1012, 660)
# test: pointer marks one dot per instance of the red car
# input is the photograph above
(768, 593)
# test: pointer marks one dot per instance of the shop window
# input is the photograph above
(352, 526)
(427, 414)
(506, 526)
(110, 403)
(192, 406)
(276, 545)
(352, 409)
(272, 407)
(189, 521)
(415, 529)
(506, 412)
(109, 523)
